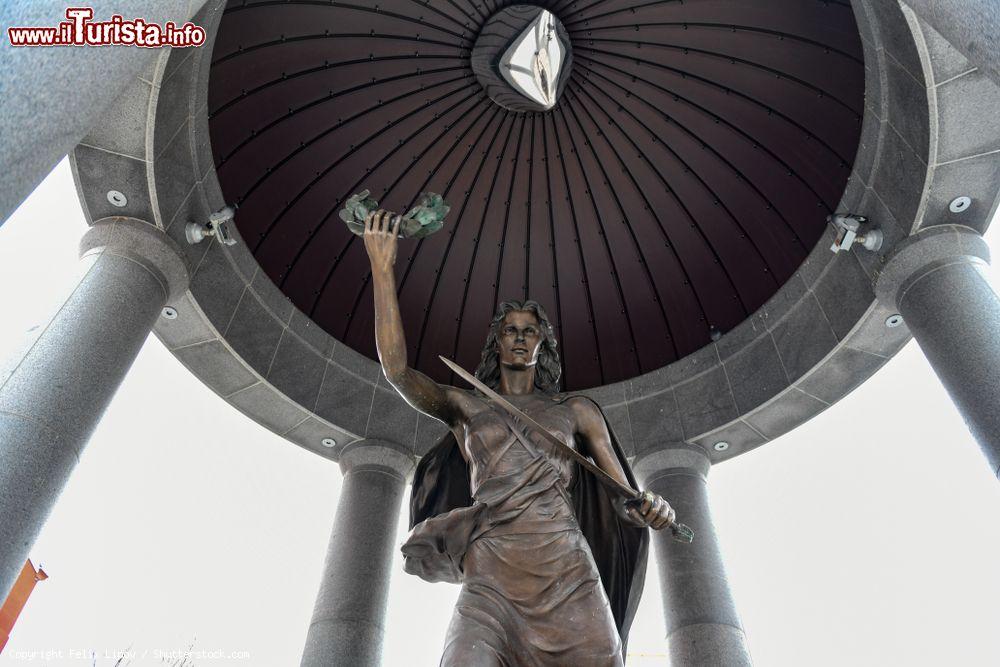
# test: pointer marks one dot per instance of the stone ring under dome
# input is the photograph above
(523, 58)
(288, 94)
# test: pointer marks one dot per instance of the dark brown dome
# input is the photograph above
(682, 177)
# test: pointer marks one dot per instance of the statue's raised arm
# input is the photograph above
(381, 236)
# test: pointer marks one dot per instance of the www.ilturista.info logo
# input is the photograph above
(81, 30)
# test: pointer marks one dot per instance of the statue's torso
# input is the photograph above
(525, 486)
(531, 589)
(486, 431)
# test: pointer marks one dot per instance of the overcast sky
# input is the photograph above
(868, 536)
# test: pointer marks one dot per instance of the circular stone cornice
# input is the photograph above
(922, 253)
(679, 458)
(377, 455)
(819, 337)
(144, 244)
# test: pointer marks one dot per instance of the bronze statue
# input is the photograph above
(551, 563)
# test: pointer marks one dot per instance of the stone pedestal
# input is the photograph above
(348, 621)
(937, 281)
(703, 627)
(52, 398)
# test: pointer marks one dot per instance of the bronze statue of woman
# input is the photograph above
(551, 564)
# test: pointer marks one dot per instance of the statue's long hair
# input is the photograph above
(548, 369)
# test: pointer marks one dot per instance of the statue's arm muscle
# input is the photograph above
(653, 511)
(416, 388)
(595, 438)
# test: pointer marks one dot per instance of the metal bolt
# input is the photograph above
(117, 198)
(960, 204)
(329, 442)
(721, 446)
(894, 321)
(169, 313)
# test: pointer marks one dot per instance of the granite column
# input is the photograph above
(936, 280)
(348, 621)
(53, 396)
(972, 27)
(53, 97)
(703, 627)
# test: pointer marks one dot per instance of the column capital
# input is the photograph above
(922, 253)
(680, 458)
(143, 243)
(383, 455)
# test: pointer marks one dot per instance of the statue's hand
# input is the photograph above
(381, 238)
(652, 510)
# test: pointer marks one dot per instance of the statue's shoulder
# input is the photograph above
(565, 397)
(462, 392)
(467, 396)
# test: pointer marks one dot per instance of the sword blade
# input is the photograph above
(496, 398)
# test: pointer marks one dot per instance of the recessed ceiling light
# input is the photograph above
(960, 204)
(117, 198)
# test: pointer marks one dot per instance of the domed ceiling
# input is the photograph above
(684, 172)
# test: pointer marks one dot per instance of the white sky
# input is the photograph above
(868, 536)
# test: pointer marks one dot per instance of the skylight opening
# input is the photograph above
(532, 63)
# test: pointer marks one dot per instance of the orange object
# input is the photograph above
(17, 598)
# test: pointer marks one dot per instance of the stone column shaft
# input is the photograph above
(52, 398)
(52, 97)
(937, 281)
(972, 27)
(702, 625)
(348, 622)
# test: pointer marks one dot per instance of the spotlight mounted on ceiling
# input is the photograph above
(849, 232)
(217, 226)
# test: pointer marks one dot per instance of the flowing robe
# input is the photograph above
(551, 575)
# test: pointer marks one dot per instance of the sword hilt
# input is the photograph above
(679, 531)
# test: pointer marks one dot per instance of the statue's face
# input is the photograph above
(519, 339)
